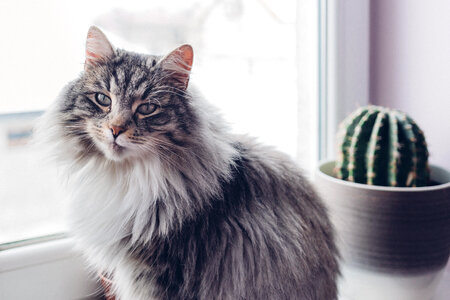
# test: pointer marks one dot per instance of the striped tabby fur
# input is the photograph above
(171, 204)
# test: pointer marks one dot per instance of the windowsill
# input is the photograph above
(36, 254)
(48, 270)
(53, 270)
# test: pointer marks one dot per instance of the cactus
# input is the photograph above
(380, 146)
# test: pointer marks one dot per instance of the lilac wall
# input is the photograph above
(410, 66)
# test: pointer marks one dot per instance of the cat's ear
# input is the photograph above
(98, 48)
(179, 63)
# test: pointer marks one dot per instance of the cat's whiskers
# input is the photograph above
(169, 159)
(171, 90)
(169, 146)
(162, 155)
(90, 147)
(138, 140)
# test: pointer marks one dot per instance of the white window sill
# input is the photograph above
(53, 271)
(48, 270)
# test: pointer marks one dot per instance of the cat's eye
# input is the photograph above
(146, 109)
(102, 99)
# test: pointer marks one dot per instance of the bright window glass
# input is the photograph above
(245, 63)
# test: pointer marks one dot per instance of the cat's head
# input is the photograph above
(128, 105)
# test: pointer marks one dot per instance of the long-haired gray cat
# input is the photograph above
(169, 203)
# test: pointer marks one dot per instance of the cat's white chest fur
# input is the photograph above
(109, 204)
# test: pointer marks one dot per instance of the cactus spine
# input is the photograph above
(380, 146)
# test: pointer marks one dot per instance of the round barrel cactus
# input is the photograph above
(381, 146)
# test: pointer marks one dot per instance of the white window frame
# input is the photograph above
(344, 64)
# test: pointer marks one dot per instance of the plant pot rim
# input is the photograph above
(437, 173)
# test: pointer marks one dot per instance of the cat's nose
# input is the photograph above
(116, 130)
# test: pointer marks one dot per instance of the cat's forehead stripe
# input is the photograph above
(102, 85)
(147, 91)
(139, 82)
(130, 79)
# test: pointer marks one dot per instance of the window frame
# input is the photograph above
(344, 62)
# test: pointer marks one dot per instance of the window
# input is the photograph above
(29, 199)
(247, 63)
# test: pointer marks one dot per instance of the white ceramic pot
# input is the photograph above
(394, 241)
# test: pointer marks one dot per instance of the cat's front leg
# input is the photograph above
(133, 282)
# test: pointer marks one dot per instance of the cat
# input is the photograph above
(171, 205)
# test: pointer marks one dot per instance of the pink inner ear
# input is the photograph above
(90, 54)
(187, 55)
(180, 62)
(97, 46)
